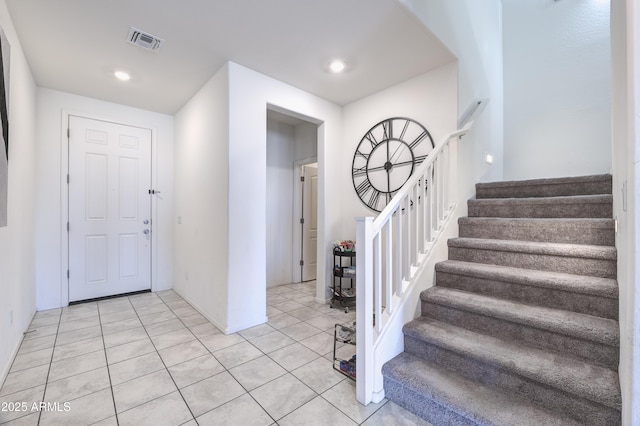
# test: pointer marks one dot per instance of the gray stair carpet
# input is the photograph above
(521, 326)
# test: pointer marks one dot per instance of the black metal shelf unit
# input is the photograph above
(343, 269)
(346, 335)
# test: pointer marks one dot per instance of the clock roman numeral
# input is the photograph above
(418, 139)
(387, 128)
(362, 154)
(363, 188)
(404, 129)
(419, 159)
(372, 139)
(362, 171)
(373, 200)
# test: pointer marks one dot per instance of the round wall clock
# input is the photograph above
(386, 157)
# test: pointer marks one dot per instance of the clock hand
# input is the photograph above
(388, 166)
(399, 153)
(385, 167)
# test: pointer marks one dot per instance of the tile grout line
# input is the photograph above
(333, 405)
(291, 371)
(50, 363)
(162, 360)
(104, 348)
(14, 360)
(225, 368)
(264, 354)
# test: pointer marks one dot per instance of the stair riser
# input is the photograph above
(586, 412)
(539, 233)
(541, 296)
(422, 406)
(594, 352)
(545, 190)
(603, 268)
(477, 208)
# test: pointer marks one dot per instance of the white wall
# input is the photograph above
(472, 30)
(625, 33)
(430, 99)
(17, 239)
(306, 137)
(51, 166)
(201, 238)
(557, 84)
(279, 238)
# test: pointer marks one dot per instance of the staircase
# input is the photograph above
(521, 327)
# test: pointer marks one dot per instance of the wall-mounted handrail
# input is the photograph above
(474, 109)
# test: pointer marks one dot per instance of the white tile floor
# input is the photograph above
(152, 359)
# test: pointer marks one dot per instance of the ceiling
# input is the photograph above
(76, 45)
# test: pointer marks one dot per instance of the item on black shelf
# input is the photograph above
(349, 272)
(344, 245)
(346, 333)
(349, 367)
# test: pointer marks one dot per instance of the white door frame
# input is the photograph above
(296, 275)
(64, 197)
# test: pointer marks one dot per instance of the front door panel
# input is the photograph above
(109, 208)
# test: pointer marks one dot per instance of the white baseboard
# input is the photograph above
(5, 370)
(221, 327)
(377, 396)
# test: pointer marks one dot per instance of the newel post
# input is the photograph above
(364, 309)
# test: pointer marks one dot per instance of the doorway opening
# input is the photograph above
(308, 198)
(291, 252)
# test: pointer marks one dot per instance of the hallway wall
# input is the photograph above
(17, 239)
(625, 49)
(280, 150)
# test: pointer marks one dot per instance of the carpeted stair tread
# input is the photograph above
(579, 185)
(568, 374)
(584, 206)
(586, 327)
(476, 403)
(596, 286)
(576, 293)
(534, 247)
(591, 260)
(594, 231)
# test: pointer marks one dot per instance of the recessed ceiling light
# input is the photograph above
(122, 76)
(337, 66)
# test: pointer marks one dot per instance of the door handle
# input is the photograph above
(146, 232)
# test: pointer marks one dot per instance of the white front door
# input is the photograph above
(310, 222)
(109, 209)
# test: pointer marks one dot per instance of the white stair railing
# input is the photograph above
(392, 247)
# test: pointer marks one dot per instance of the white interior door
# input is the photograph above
(310, 222)
(109, 209)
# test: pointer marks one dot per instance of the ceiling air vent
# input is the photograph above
(144, 40)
